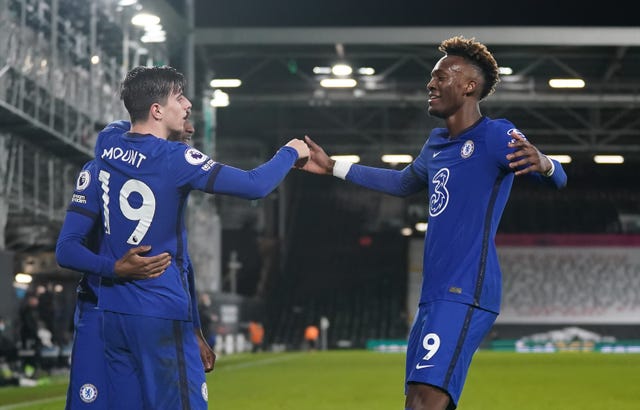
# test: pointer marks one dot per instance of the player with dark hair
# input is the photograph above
(152, 359)
(468, 169)
(79, 238)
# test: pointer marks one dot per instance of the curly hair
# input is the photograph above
(478, 55)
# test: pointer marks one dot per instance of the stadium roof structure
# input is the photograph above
(388, 109)
(274, 48)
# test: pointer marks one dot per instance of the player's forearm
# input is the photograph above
(258, 182)
(71, 249)
(71, 253)
(390, 181)
(556, 179)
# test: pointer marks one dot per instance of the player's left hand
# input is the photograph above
(207, 355)
(133, 265)
(526, 158)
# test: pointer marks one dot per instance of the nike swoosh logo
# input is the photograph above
(423, 366)
(435, 154)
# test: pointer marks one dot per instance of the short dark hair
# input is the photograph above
(478, 55)
(144, 86)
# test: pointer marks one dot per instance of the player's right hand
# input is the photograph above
(207, 355)
(303, 151)
(135, 266)
(319, 162)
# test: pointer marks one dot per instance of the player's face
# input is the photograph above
(177, 110)
(185, 135)
(448, 86)
(187, 132)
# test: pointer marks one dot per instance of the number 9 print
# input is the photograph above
(144, 214)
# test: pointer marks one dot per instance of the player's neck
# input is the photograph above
(463, 119)
(150, 127)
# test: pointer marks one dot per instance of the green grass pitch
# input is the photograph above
(355, 380)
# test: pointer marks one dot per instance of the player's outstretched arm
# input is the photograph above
(260, 181)
(207, 354)
(135, 266)
(390, 181)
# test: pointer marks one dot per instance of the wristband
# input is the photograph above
(341, 169)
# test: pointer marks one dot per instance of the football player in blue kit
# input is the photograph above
(151, 351)
(80, 234)
(468, 169)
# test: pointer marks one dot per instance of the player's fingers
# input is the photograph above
(517, 136)
(524, 171)
(520, 163)
(158, 267)
(311, 143)
(156, 271)
(515, 154)
(162, 258)
(522, 152)
(154, 274)
(208, 364)
(147, 266)
(157, 262)
(139, 250)
(213, 361)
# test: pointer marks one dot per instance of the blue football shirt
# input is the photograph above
(144, 183)
(81, 234)
(468, 181)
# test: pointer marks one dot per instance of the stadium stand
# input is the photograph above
(570, 284)
(336, 268)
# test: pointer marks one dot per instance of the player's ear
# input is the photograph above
(470, 88)
(156, 111)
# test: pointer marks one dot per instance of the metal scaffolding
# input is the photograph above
(61, 62)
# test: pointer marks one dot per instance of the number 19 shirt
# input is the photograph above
(145, 182)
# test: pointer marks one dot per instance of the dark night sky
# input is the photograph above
(230, 13)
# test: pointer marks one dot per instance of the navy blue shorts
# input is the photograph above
(444, 336)
(87, 380)
(153, 363)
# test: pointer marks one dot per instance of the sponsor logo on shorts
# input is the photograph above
(423, 366)
(88, 393)
(204, 391)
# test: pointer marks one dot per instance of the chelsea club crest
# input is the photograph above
(88, 393)
(467, 149)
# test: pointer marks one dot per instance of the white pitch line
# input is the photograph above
(257, 363)
(31, 403)
(262, 362)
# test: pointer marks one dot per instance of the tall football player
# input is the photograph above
(468, 169)
(145, 180)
